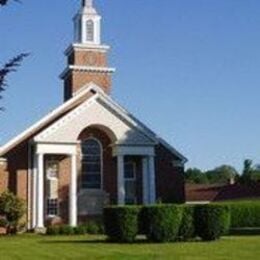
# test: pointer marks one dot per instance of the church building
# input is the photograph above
(89, 152)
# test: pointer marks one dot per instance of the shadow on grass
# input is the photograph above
(245, 232)
(104, 240)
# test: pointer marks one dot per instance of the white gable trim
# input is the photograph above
(58, 124)
(58, 111)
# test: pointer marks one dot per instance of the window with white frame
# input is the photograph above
(52, 207)
(52, 176)
(130, 182)
(91, 177)
(90, 31)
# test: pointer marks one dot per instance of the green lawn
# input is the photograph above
(93, 247)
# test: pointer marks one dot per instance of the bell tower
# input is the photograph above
(87, 56)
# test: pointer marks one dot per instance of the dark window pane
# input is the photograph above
(91, 164)
(129, 170)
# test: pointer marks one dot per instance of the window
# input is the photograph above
(52, 187)
(52, 167)
(91, 164)
(90, 31)
(130, 182)
(52, 207)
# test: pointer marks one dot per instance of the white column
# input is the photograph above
(145, 181)
(152, 193)
(120, 180)
(40, 192)
(34, 192)
(73, 211)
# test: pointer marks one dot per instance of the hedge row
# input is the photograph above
(91, 227)
(245, 214)
(166, 223)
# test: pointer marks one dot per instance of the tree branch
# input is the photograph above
(10, 66)
(5, 2)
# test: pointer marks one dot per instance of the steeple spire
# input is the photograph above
(87, 56)
(87, 3)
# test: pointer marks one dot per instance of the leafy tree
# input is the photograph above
(194, 175)
(222, 174)
(5, 2)
(9, 67)
(246, 176)
(12, 210)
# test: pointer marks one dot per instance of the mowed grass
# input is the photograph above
(94, 247)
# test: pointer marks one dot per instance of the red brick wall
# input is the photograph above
(169, 179)
(75, 80)
(18, 170)
(88, 58)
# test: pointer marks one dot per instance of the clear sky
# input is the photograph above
(190, 69)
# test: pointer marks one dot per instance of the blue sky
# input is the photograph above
(190, 69)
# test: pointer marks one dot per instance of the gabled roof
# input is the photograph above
(72, 103)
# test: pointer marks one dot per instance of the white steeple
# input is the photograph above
(87, 24)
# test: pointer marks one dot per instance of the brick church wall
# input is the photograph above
(18, 170)
(75, 80)
(169, 178)
(17, 173)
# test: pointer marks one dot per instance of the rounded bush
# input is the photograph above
(66, 230)
(212, 221)
(121, 223)
(53, 231)
(187, 227)
(161, 223)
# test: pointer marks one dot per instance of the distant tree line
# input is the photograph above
(224, 174)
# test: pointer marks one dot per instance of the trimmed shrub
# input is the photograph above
(162, 222)
(80, 230)
(12, 210)
(187, 227)
(121, 223)
(245, 214)
(94, 227)
(66, 230)
(212, 221)
(53, 231)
